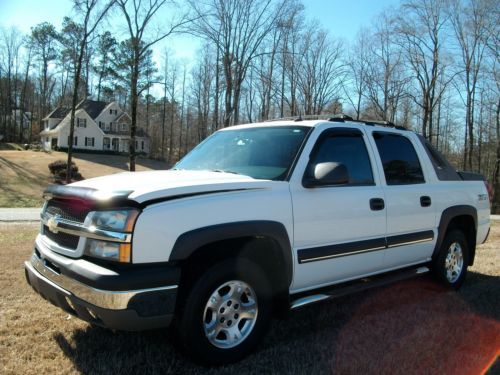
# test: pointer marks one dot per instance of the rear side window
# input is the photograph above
(348, 149)
(400, 161)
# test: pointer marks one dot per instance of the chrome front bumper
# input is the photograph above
(130, 310)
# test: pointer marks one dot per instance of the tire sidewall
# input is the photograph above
(190, 322)
(452, 236)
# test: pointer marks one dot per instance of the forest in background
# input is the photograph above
(428, 65)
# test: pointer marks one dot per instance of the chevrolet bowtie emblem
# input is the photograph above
(53, 223)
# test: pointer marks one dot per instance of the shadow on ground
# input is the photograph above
(409, 327)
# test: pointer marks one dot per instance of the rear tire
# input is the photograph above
(226, 312)
(450, 267)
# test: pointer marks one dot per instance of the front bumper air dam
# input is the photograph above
(131, 310)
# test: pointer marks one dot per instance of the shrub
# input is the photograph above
(61, 165)
(58, 170)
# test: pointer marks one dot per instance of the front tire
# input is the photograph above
(226, 312)
(451, 264)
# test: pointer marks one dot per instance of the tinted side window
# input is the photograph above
(400, 161)
(349, 150)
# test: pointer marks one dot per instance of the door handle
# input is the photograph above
(425, 201)
(377, 204)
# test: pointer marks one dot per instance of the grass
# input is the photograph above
(408, 327)
(24, 175)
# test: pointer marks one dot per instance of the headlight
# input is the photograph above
(119, 252)
(113, 221)
(119, 220)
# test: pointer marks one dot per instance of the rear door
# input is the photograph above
(409, 200)
(339, 233)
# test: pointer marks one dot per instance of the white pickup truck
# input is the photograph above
(258, 219)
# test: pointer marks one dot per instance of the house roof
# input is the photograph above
(59, 112)
(92, 107)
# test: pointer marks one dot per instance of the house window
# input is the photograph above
(136, 145)
(100, 124)
(142, 145)
(46, 139)
(106, 126)
(124, 127)
(81, 122)
(89, 141)
(110, 111)
(105, 144)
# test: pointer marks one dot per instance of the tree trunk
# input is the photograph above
(496, 175)
(133, 106)
(76, 83)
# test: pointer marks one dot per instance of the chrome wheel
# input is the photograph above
(454, 262)
(230, 314)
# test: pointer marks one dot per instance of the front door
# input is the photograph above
(339, 231)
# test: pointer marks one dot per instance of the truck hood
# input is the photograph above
(153, 185)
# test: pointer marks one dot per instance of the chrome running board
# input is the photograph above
(355, 286)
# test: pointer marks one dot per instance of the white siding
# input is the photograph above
(91, 131)
(106, 117)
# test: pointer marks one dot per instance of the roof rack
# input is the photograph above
(329, 117)
(339, 117)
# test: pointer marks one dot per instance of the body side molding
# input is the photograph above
(365, 246)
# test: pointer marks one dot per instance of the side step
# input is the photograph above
(355, 286)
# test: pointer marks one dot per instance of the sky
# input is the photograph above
(342, 18)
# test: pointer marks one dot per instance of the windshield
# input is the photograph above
(260, 152)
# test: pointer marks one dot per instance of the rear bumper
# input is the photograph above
(129, 310)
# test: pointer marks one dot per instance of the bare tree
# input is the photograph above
(321, 71)
(421, 33)
(139, 15)
(358, 70)
(469, 20)
(11, 42)
(385, 77)
(92, 12)
(237, 29)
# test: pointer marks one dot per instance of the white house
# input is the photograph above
(98, 126)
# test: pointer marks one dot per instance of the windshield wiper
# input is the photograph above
(223, 171)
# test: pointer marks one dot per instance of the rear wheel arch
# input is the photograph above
(463, 218)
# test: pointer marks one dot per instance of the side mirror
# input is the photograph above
(327, 174)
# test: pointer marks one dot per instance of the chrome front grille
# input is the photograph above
(66, 240)
(68, 209)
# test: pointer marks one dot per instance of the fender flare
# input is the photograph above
(446, 217)
(187, 243)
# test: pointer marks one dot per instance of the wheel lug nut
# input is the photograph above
(222, 320)
(222, 310)
(236, 316)
(236, 306)
(229, 303)
(229, 322)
